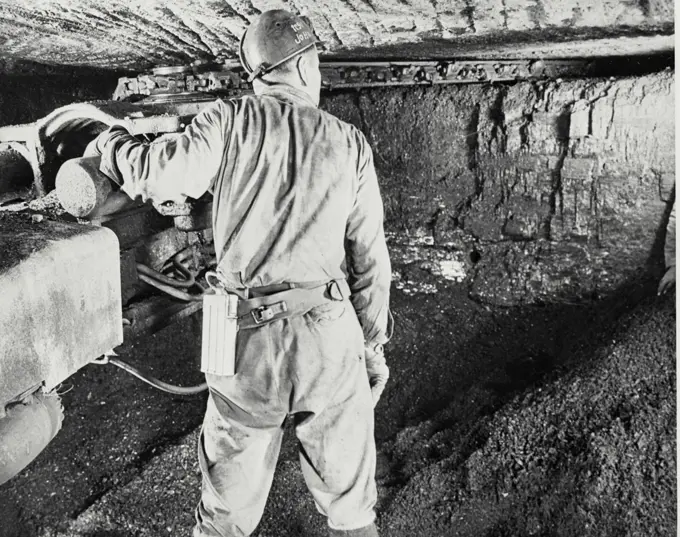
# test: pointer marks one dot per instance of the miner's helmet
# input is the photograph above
(274, 38)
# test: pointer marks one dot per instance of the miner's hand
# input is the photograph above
(92, 149)
(668, 280)
(378, 372)
(96, 146)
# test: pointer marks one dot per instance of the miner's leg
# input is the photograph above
(240, 440)
(337, 455)
(334, 423)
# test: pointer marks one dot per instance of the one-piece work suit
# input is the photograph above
(296, 199)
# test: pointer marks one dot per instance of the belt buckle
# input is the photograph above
(262, 314)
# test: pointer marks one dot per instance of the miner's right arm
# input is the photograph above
(173, 167)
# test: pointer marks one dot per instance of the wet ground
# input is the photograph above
(514, 421)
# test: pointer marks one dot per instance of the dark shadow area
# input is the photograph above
(30, 91)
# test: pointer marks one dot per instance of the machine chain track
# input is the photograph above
(228, 78)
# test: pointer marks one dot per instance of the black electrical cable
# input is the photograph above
(156, 383)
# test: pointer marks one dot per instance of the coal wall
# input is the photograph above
(525, 193)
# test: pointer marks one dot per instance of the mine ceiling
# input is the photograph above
(138, 34)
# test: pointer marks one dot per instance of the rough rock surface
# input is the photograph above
(526, 192)
(135, 33)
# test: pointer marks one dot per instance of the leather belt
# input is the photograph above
(291, 302)
(266, 290)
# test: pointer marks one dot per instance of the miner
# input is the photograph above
(298, 228)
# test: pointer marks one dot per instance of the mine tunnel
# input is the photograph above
(525, 155)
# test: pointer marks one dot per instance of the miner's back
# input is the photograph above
(287, 185)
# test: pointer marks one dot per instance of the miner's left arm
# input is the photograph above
(173, 167)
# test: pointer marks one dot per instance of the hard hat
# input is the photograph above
(275, 37)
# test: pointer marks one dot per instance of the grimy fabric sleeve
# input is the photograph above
(175, 166)
(369, 267)
(669, 246)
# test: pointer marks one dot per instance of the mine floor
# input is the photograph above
(124, 463)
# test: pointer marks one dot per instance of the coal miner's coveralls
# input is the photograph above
(295, 195)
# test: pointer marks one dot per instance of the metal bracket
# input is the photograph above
(229, 78)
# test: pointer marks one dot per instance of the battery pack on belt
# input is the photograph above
(225, 312)
(220, 326)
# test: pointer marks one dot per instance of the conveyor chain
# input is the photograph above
(228, 77)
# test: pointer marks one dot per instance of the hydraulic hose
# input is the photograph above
(189, 280)
(179, 267)
(156, 383)
(172, 291)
